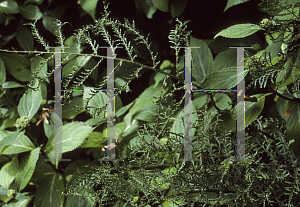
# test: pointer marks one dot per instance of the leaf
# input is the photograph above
(231, 3)
(98, 101)
(11, 84)
(203, 59)
(48, 22)
(24, 38)
(122, 110)
(33, 1)
(146, 99)
(70, 66)
(8, 173)
(222, 101)
(239, 31)
(225, 78)
(69, 111)
(162, 5)
(252, 110)
(21, 144)
(225, 59)
(26, 170)
(2, 73)
(47, 195)
(7, 141)
(177, 7)
(9, 7)
(16, 65)
(89, 6)
(30, 103)
(95, 139)
(73, 135)
(31, 12)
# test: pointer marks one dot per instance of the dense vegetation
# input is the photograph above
(149, 104)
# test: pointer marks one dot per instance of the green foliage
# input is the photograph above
(150, 131)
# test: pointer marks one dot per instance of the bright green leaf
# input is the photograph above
(11, 84)
(239, 31)
(9, 7)
(89, 6)
(162, 5)
(30, 103)
(8, 173)
(203, 59)
(31, 12)
(231, 3)
(73, 135)
(252, 109)
(27, 167)
(47, 193)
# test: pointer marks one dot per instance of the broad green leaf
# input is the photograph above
(42, 170)
(31, 12)
(146, 99)
(225, 59)
(178, 125)
(293, 122)
(222, 101)
(96, 121)
(48, 190)
(30, 103)
(21, 144)
(12, 115)
(131, 125)
(2, 72)
(68, 110)
(16, 65)
(24, 38)
(177, 7)
(94, 139)
(11, 84)
(8, 173)
(162, 5)
(252, 110)
(96, 102)
(8, 140)
(122, 110)
(48, 22)
(72, 65)
(239, 31)
(73, 135)
(26, 170)
(203, 59)
(225, 78)
(9, 7)
(159, 77)
(199, 100)
(231, 3)
(272, 50)
(89, 6)
(33, 1)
